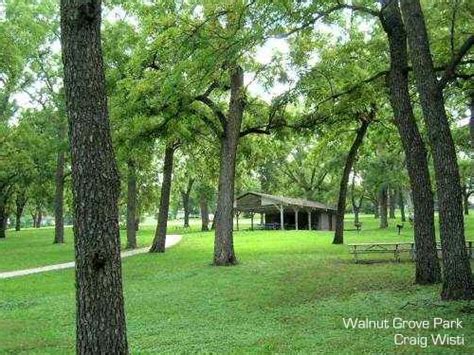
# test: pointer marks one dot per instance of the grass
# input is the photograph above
(288, 294)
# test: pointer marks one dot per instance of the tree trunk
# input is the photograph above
(185, 195)
(33, 216)
(383, 203)
(39, 217)
(131, 205)
(457, 283)
(100, 318)
(59, 200)
(159, 242)
(341, 203)
(224, 239)
(401, 205)
(392, 203)
(20, 202)
(3, 217)
(376, 209)
(204, 212)
(466, 203)
(427, 264)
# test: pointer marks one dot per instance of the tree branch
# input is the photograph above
(450, 71)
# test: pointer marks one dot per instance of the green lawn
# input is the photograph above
(288, 294)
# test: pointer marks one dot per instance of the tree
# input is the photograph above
(457, 283)
(427, 265)
(159, 242)
(365, 120)
(100, 319)
(131, 204)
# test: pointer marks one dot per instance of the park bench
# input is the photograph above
(396, 248)
(382, 248)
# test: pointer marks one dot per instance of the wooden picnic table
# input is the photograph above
(396, 248)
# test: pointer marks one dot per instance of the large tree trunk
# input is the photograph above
(59, 200)
(20, 203)
(159, 242)
(457, 282)
(204, 212)
(341, 203)
(131, 205)
(224, 240)
(100, 318)
(427, 265)
(185, 195)
(34, 218)
(383, 206)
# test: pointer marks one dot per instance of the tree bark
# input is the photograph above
(341, 203)
(100, 318)
(457, 282)
(204, 212)
(185, 195)
(159, 241)
(224, 240)
(59, 199)
(34, 218)
(131, 205)
(383, 203)
(20, 203)
(427, 265)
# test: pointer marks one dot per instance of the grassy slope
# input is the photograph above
(289, 294)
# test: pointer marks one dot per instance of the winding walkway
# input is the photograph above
(170, 241)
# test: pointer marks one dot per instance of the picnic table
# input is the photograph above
(396, 248)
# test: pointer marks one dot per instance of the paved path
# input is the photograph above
(170, 241)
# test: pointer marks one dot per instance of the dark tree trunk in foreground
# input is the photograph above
(185, 195)
(224, 239)
(204, 212)
(383, 206)
(457, 282)
(131, 205)
(341, 203)
(100, 318)
(159, 242)
(59, 200)
(427, 264)
(20, 203)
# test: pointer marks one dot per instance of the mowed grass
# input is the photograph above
(288, 294)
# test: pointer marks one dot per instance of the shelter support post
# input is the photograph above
(251, 220)
(309, 220)
(296, 218)
(282, 217)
